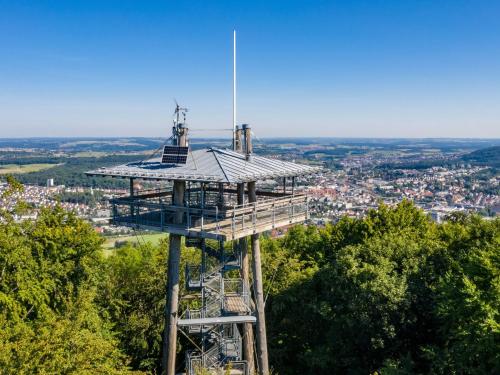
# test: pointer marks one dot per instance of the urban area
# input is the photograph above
(441, 177)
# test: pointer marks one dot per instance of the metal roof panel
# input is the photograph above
(211, 165)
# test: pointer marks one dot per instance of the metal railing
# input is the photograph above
(193, 276)
(220, 349)
(215, 301)
(219, 358)
(267, 213)
(236, 287)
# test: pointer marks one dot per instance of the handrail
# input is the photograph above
(236, 209)
(216, 221)
(270, 201)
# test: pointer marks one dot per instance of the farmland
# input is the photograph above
(24, 168)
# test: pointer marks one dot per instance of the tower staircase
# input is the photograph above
(224, 303)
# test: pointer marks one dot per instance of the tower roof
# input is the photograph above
(209, 165)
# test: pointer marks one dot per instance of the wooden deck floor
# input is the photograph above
(235, 305)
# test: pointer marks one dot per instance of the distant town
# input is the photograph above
(440, 176)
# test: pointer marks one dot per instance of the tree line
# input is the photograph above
(71, 172)
(392, 293)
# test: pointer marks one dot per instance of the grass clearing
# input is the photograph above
(24, 168)
(154, 238)
(89, 154)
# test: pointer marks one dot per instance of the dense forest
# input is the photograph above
(393, 293)
(71, 171)
(79, 144)
(483, 157)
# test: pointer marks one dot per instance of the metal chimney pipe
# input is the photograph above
(238, 140)
(182, 140)
(248, 141)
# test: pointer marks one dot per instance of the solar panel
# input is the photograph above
(174, 155)
(175, 150)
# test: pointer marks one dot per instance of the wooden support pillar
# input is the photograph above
(172, 303)
(202, 203)
(248, 353)
(131, 190)
(240, 191)
(262, 356)
(131, 187)
(203, 240)
(220, 198)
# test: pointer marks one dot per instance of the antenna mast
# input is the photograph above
(234, 90)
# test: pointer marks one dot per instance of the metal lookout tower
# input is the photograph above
(212, 198)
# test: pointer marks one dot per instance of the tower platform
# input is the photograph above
(227, 223)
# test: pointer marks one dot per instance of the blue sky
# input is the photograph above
(305, 68)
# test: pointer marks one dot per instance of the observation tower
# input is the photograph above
(213, 198)
(210, 197)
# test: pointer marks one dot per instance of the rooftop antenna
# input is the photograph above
(234, 90)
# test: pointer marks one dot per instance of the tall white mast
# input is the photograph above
(234, 89)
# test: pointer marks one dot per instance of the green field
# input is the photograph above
(154, 238)
(89, 154)
(24, 168)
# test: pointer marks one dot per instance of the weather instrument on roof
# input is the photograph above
(174, 155)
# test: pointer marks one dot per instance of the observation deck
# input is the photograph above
(154, 211)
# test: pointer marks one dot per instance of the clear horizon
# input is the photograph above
(268, 137)
(415, 69)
